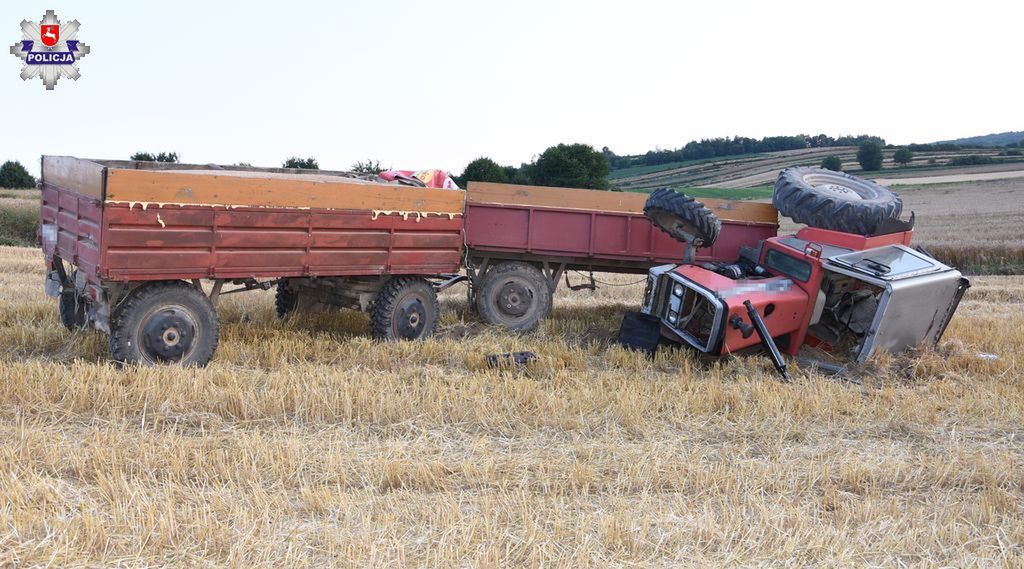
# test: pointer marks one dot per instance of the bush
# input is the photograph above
(903, 156)
(19, 226)
(368, 167)
(171, 157)
(14, 175)
(971, 160)
(484, 169)
(832, 163)
(869, 155)
(301, 163)
(571, 166)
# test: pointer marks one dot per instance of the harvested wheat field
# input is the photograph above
(305, 442)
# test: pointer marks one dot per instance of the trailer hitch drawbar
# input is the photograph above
(766, 340)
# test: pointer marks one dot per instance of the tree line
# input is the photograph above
(581, 166)
(732, 146)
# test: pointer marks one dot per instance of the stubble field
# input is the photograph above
(305, 442)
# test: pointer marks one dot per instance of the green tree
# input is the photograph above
(903, 156)
(832, 162)
(869, 155)
(150, 157)
(14, 175)
(301, 163)
(571, 166)
(483, 169)
(368, 167)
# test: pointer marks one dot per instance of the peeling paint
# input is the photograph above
(420, 215)
(374, 214)
(158, 218)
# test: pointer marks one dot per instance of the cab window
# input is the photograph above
(799, 269)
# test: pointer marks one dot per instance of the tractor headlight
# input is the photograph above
(677, 290)
(673, 317)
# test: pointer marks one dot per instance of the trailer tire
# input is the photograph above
(515, 296)
(834, 200)
(405, 308)
(285, 299)
(682, 217)
(165, 322)
(72, 310)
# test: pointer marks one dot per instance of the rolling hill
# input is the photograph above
(998, 139)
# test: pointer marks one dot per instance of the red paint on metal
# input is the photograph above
(594, 236)
(787, 315)
(852, 241)
(74, 223)
(183, 242)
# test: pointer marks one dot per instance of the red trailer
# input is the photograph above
(129, 244)
(139, 237)
(521, 239)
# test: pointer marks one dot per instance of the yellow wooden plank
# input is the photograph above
(263, 189)
(600, 200)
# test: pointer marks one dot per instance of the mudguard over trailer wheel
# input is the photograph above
(72, 310)
(406, 308)
(165, 322)
(514, 295)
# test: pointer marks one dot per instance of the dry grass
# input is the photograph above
(305, 443)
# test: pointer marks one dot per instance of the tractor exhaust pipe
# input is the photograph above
(766, 340)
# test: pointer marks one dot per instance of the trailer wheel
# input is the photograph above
(165, 322)
(682, 217)
(834, 200)
(514, 295)
(72, 311)
(285, 299)
(405, 308)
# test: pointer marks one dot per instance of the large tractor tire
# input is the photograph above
(515, 296)
(168, 322)
(682, 217)
(406, 308)
(833, 200)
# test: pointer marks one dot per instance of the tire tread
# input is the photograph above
(686, 208)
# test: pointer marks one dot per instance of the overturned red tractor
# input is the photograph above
(845, 287)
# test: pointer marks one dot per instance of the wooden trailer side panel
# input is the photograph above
(605, 201)
(174, 241)
(274, 190)
(605, 230)
(155, 224)
(83, 177)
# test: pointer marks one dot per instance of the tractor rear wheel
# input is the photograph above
(514, 295)
(682, 217)
(833, 200)
(406, 308)
(167, 322)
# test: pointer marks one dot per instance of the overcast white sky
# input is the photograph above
(436, 84)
